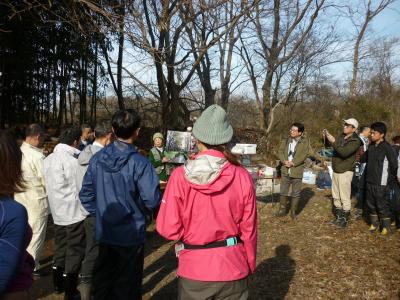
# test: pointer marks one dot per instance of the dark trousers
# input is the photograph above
(394, 198)
(360, 191)
(378, 200)
(69, 249)
(286, 182)
(118, 273)
(229, 290)
(92, 249)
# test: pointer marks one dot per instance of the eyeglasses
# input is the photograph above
(294, 130)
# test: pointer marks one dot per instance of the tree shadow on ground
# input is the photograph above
(306, 194)
(159, 270)
(273, 276)
(168, 291)
(271, 198)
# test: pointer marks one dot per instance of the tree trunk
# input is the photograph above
(94, 88)
(121, 40)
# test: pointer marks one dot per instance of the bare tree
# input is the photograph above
(160, 30)
(282, 53)
(369, 14)
(207, 25)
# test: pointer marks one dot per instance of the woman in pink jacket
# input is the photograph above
(209, 206)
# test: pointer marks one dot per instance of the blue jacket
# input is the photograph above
(120, 187)
(15, 266)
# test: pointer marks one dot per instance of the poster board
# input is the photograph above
(177, 146)
(178, 141)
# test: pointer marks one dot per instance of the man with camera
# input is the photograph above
(343, 164)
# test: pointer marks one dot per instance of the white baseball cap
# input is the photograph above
(352, 122)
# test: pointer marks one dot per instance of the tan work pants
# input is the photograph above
(341, 190)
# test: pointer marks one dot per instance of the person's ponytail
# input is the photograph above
(232, 158)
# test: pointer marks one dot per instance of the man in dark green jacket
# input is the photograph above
(343, 164)
(292, 153)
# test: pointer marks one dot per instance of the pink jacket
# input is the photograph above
(208, 200)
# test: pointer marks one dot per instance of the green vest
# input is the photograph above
(157, 156)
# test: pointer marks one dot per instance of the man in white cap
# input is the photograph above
(343, 164)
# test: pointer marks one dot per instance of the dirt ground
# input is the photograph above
(305, 259)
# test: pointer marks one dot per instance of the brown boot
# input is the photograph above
(283, 202)
(293, 207)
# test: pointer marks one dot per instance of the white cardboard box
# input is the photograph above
(244, 149)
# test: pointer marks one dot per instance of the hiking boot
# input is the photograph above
(386, 226)
(293, 207)
(58, 279)
(374, 223)
(358, 214)
(338, 213)
(283, 202)
(343, 219)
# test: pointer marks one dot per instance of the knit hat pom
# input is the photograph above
(213, 127)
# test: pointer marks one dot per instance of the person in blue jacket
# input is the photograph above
(16, 265)
(120, 187)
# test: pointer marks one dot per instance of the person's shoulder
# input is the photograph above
(49, 158)
(12, 207)
(357, 138)
(241, 171)
(36, 154)
(304, 140)
(283, 142)
(178, 172)
(389, 147)
(139, 159)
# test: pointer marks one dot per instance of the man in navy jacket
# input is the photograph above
(120, 187)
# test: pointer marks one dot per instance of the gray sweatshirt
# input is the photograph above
(83, 161)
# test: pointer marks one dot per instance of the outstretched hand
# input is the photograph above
(328, 136)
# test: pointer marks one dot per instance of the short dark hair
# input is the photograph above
(85, 125)
(396, 139)
(33, 130)
(125, 122)
(362, 128)
(10, 160)
(380, 127)
(102, 129)
(70, 135)
(300, 127)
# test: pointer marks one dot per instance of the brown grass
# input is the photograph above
(305, 259)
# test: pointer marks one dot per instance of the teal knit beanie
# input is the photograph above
(213, 127)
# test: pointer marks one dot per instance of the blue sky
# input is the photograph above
(385, 24)
(388, 22)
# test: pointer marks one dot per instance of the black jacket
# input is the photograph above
(381, 163)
